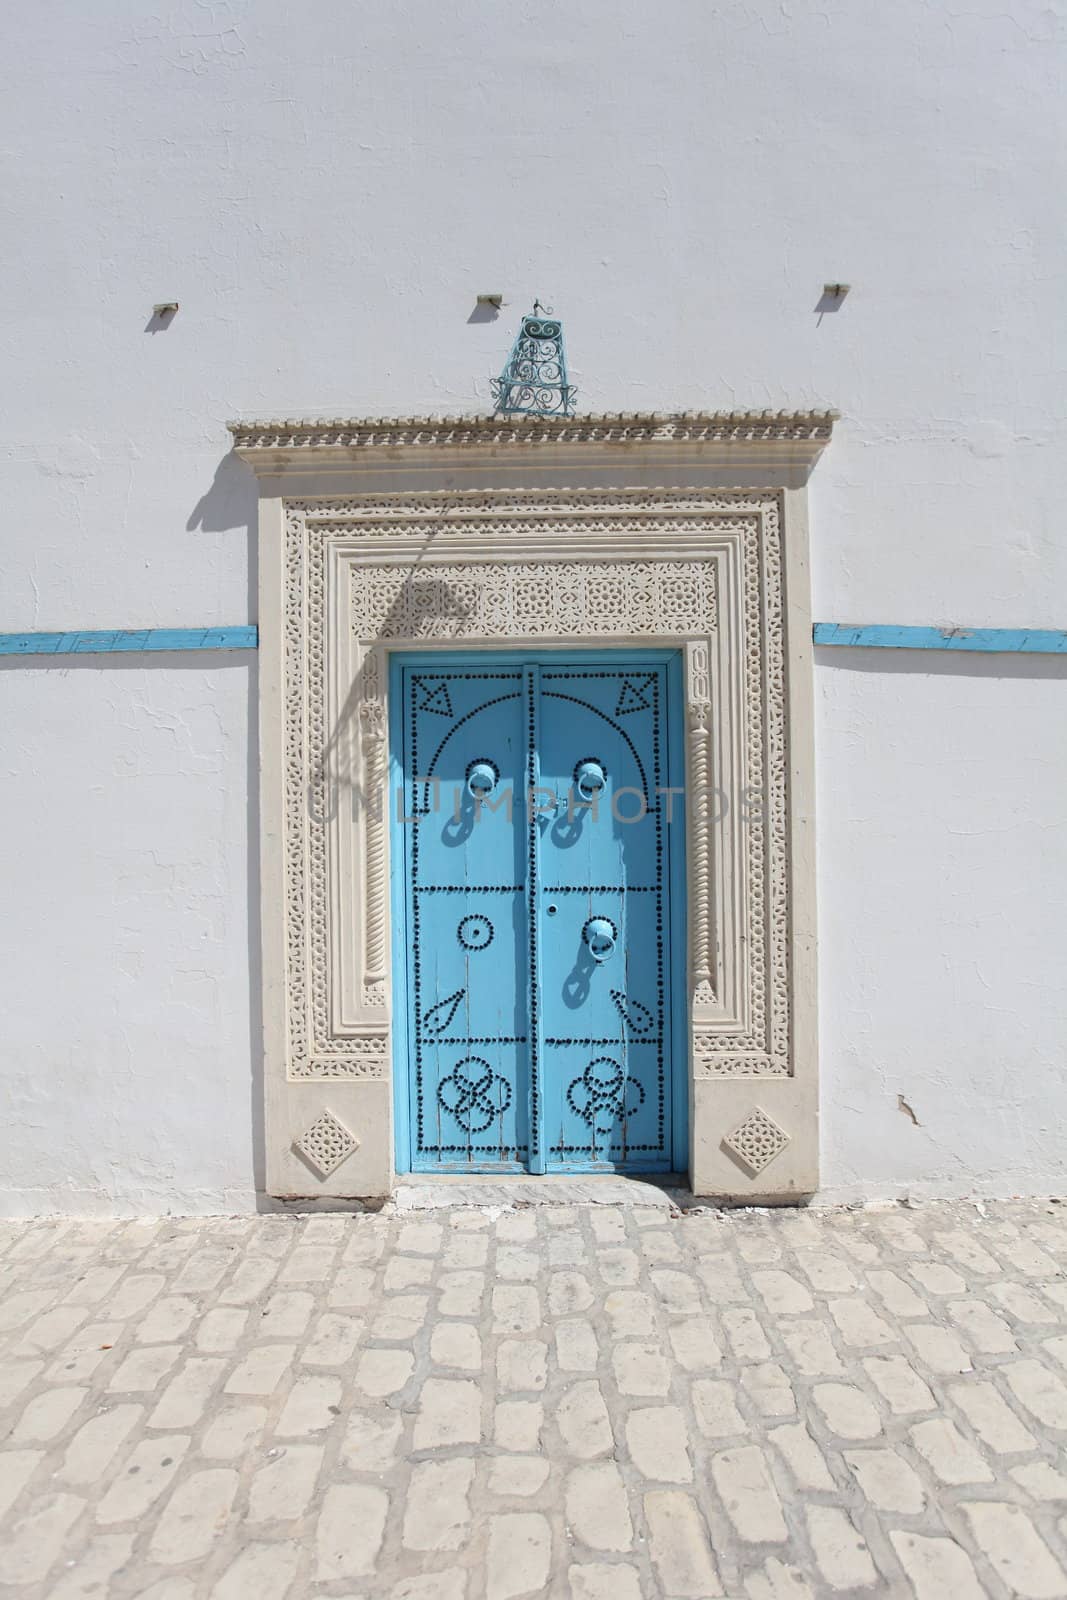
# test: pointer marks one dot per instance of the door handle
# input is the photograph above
(600, 934)
(589, 778)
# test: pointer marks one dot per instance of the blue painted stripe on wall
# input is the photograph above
(887, 636)
(128, 639)
(873, 636)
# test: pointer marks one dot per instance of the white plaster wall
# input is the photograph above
(325, 190)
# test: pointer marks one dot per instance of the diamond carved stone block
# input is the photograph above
(326, 1144)
(756, 1140)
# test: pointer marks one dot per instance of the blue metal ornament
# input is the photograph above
(534, 381)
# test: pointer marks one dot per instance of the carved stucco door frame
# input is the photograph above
(383, 535)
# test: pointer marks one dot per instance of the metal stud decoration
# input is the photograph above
(534, 381)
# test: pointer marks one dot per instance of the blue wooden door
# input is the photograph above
(538, 890)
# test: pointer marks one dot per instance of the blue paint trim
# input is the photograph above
(887, 636)
(128, 640)
(401, 935)
(678, 910)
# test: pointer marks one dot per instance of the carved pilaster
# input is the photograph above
(372, 734)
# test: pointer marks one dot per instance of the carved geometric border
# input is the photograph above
(649, 596)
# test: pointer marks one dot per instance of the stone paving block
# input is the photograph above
(598, 1581)
(677, 1292)
(90, 1452)
(582, 1419)
(142, 1478)
(220, 1330)
(185, 1399)
(597, 1508)
(521, 1364)
(715, 1405)
(745, 1335)
(887, 1481)
(283, 1486)
(437, 1511)
(858, 1324)
(846, 1411)
(516, 1308)
(194, 1516)
(1040, 1391)
(350, 1530)
(382, 1372)
(400, 1318)
(1022, 1303)
(456, 1344)
(802, 1456)
(18, 1467)
(695, 1345)
(938, 1348)
(286, 1314)
(1015, 1550)
(641, 1369)
(312, 1406)
(632, 1313)
(15, 1376)
(134, 1293)
(747, 1491)
(900, 1386)
(334, 1338)
(517, 1424)
(1040, 1481)
(511, 1476)
(36, 1541)
(568, 1293)
(842, 1554)
(447, 1584)
(679, 1545)
(144, 1368)
(576, 1347)
(982, 1328)
(449, 1412)
(767, 1385)
(811, 1348)
(87, 1578)
(656, 1437)
(47, 1414)
(938, 1568)
(782, 1294)
(232, 1431)
(898, 1297)
(777, 1581)
(519, 1555)
(260, 1572)
(952, 1458)
(461, 1294)
(370, 1442)
(261, 1370)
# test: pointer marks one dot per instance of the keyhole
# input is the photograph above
(552, 910)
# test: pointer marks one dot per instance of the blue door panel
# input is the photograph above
(464, 866)
(603, 865)
(539, 867)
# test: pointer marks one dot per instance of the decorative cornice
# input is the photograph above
(798, 434)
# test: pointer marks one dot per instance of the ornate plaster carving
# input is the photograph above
(326, 1143)
(536, 566)
(811, 429)
(756, 1140)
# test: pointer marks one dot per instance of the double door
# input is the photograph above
(538, 831)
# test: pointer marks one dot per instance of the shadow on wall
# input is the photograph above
(941, 663)
(231, 503)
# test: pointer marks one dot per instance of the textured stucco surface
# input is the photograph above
(325, 193)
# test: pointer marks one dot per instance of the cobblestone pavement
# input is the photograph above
(583, 1401)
